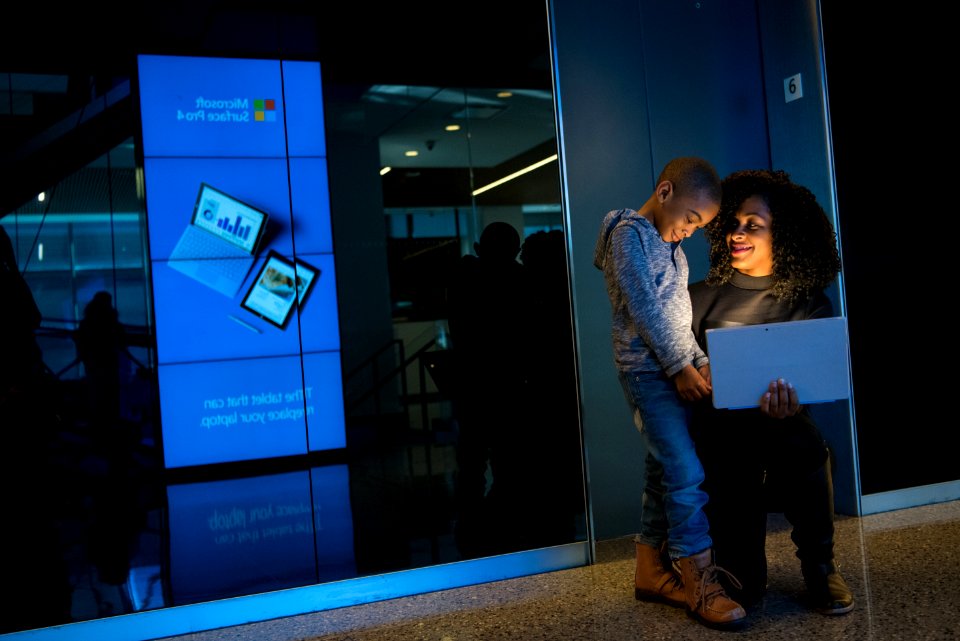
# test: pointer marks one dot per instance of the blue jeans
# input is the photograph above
(672, 499)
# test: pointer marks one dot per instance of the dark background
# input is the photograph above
(892, 134)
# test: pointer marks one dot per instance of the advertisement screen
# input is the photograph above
(248, 337)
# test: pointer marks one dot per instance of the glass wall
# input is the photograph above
(82, 469)
(481, 336)
(458, 369)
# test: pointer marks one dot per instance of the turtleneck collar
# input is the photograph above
(751, 282)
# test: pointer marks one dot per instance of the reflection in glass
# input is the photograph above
(481, 319)
(247, 535)
(443, 461)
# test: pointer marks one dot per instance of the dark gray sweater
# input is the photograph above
(646, 280)
(748, 300)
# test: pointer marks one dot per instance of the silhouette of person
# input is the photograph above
(101, 343)
(486, 317)
(551, 465)
(22, 359)
(117, 501)
(33, 564)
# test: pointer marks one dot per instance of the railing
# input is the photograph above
(381, 380)
(134, 336)
(372, 362)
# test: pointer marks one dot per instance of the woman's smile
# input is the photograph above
(751, 240)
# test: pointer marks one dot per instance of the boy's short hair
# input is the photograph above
(692, 175)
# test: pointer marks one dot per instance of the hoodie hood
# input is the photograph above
(610, 221)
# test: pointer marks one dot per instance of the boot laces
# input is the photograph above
(670, 582)
(710, 587)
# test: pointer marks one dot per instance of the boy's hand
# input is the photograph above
(705, 373)
(691, 385)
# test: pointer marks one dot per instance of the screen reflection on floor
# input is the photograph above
(249, 535)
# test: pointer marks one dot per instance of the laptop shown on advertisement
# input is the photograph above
(219, 246)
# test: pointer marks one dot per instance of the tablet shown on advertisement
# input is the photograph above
(280, 286)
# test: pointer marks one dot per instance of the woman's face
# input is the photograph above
(751, 241)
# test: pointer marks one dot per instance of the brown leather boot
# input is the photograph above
(656, 581)
(705, 598)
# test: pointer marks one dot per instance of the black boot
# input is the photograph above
(826, 589)
(809, 508)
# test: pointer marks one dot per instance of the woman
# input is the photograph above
(772, 254)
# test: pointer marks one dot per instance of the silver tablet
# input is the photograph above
(813, 355)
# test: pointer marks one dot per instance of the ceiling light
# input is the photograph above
(497, 183)
(452, 128)
(42, 196)
(411, 153)
(504, 94)
(478, 112)
(385, 170)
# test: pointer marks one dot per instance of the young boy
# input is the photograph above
(661, 367)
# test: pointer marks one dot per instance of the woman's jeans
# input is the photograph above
(672, 499)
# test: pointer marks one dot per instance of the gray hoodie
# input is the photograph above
(647, 283)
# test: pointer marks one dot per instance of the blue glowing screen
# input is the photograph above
(224, 141)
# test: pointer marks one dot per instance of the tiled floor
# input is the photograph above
(903, 566)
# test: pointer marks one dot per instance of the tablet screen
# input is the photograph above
(280, 285)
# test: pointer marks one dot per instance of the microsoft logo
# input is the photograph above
(264, 110)
(230, 110)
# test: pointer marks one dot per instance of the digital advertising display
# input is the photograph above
(242, 264)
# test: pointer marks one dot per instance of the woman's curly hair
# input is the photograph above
(805, 256)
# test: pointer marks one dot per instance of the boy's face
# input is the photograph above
(681, 215)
